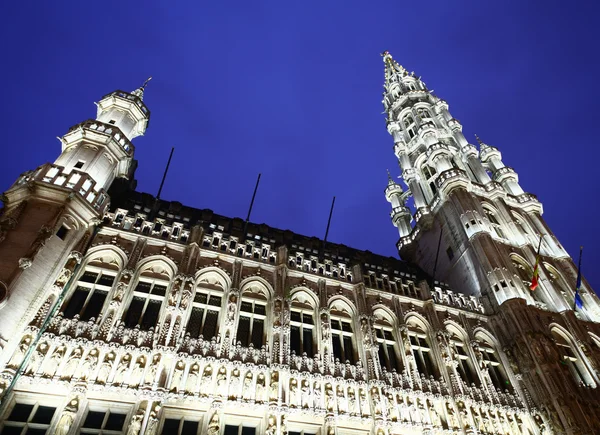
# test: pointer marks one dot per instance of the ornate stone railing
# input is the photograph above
(446, 296)
(154, 228)
(109, 130)
(79, 182)
(128, 96)
(310, 262)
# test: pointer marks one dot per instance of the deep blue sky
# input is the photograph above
(293, 90)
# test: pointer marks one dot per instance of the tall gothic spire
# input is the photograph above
(392, 67)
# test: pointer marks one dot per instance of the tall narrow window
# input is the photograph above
(496, 227)
(430, 175)
(90, 294)
(388, 348)
(251, 326)
(409, 125)
(465, 363)
(104, 422)
(204, 317)
(302, 327)
(342, 336)
(491, 361)
(144, 308)
(420, 348)
(570, 357)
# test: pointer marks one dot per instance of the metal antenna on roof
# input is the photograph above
(166, 170)
(328, 224)
(250, 208)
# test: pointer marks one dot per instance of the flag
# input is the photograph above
(536, 269)
(578, 300)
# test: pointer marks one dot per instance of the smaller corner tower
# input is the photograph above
(49, 213)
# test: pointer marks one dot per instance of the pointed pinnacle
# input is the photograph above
(389, 176)
(479, 140)
(146, 82)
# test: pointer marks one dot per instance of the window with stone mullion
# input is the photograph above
(342, 334)
(492, 363)
(301, 331)
(145, 305)
(90, 294)
(464, 367)
(251, 323)
(25, 418)
(204, 316)
(388, 356)
(180, 426)
(421, 352)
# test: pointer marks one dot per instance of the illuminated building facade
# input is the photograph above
(133, 315)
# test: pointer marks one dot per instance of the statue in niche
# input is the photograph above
(153, 421)
(247, 388)
(376, 401)
(222, 382)
(205, 387)
(17, 357)
(277, 313)
(342, 403)
(88, 365)
(172, 301)
(364, 403)
(392, 409)
(305, 391)
(293, 393)
(36, 359)
(317, 395)
(274, 387)
(135, 425)
(404, 410)
(177, 376)
(192, 379)
(67, 417)
(412, 409)
(260, 387)
(329, 398)
(185, 297)
(271, 426)
(366, 333)
(435, 418)
(105, 368)
(122, 369)
(234, 384)
(325, 328)
(119, 292)
(54, 361)
(423, 414)
(452, 419)
(152, 370)
(138, 369)
(351, 394)
(70, 368)
(231, 308)
(213, 425)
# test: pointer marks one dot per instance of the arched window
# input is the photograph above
(423, 113)
(570, 357)
(148, 296)
(342, 333)
(204, 317)
(92, 288)
(491, 360)
(420, 347)
(302, 325)
(522, 225)
(389, 355)
(252, 318)
(409, 124)
(465, 367)
(496, 227)
(559, 284)
(430, 175)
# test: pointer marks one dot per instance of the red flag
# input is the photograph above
(536, 269)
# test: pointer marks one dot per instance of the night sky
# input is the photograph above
(293, 90)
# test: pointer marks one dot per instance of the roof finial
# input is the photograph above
(139, 92)
(389, 176)
(479, 141)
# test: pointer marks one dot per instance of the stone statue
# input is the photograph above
(342, 403)
(136, 423)
(452, 419)
(247, 387)
(231, 308)
(87, 367)
(213, 425)
(152, 370)
(305, 391)
(222, 382)
(234, 384)
(392, 409)
(364, 403)
(19, 353)
(105, 368)
(70, 368)
(317, 395)
(293, 398)
(329, 398)
(54, 361)
(138, 369)
(67, 417)
(185, 298)
(274, 387)
(36, 359)
(122, 369)
(260, 388)
(205, 382)
(351, 394)
(192, 379)
(271, 426)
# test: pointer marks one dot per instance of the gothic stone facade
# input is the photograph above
(121, 313)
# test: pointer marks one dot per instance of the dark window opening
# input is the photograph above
(62, 232)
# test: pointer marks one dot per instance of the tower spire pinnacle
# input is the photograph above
(139, 92)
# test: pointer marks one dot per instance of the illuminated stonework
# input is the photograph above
(144, 316)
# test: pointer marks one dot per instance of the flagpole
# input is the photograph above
(578, 282)
(534, 278)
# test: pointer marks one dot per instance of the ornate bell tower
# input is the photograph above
(50, 212)
(469, 210)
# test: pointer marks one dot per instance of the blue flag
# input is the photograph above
(578, 300)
